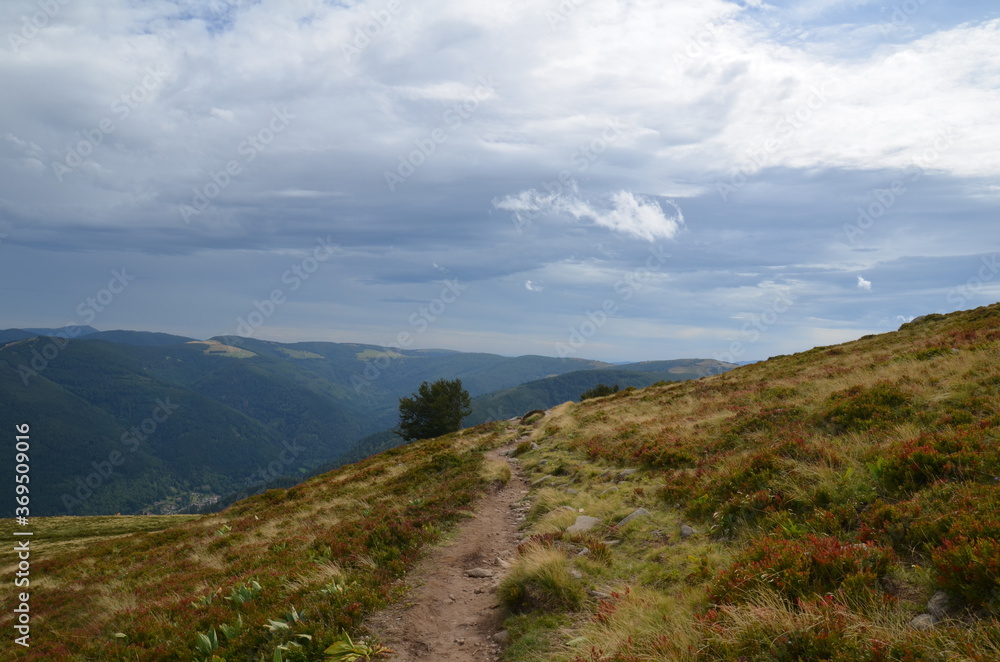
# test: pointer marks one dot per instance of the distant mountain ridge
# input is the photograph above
(137, 421)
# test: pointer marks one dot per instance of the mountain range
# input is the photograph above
(134, 421)
(835, 504)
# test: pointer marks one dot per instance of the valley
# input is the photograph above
(837, 504)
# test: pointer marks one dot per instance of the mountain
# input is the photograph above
(248, 412)
(551, 391)
(836, 504)
(140, 338)
(10, 335)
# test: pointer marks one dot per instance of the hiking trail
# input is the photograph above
(450, 613)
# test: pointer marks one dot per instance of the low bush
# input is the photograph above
(803, 568)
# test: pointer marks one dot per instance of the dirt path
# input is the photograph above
(449, 615)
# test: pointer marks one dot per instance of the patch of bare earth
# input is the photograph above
(448, 614)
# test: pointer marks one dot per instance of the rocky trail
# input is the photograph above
(451, 612)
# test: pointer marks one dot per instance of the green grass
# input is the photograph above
(296, 569)
(832, 493)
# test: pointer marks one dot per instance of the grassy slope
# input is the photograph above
(832, 493)
(331, 548)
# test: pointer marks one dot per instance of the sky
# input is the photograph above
(621, 180)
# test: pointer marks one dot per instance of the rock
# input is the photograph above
(569, 508)
(687, 531)
(576, 574)
(571, 491)
(479, 573)
(539, 481)
(613, 488)
(922, 622)
(938, 605)
(636, 514)
(583, 523)
(502, 637)
(533, 412)
(623, 474)
(534, 446)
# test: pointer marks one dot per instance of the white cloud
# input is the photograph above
(223, 114)
(532, 287)
(625, 212)
(863, 284)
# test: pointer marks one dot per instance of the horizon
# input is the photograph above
(720, 179)
(69, 335)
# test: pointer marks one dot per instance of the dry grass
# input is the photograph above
(797, 446)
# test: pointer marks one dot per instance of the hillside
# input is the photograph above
(838, 504)
(552, 391)
(237, 413)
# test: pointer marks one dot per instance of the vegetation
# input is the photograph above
(840, 504)
(559, 388)
(288, 574)
(250, 414)
(599, 391)
(805, 508)
(434, 410)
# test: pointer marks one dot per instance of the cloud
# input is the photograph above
(863, 284)
(623, 212)
(532, 287)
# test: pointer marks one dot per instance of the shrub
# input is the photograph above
(938, 513)
(802, 569)
(966, 453)
(859, 409)
(599, 391)
(971, 569)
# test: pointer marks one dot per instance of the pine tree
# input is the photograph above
(434, 410)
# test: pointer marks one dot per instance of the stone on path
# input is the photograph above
(479, 573)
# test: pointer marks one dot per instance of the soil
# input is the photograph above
(447, 614)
